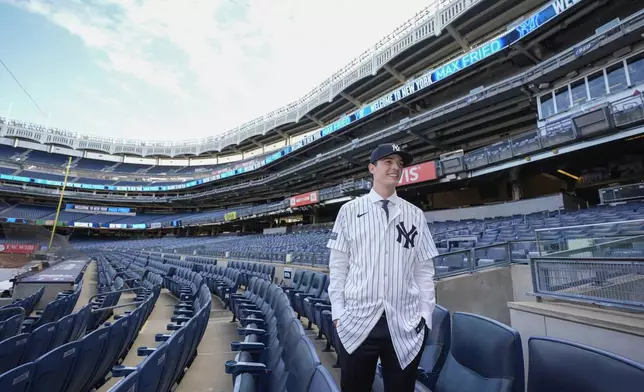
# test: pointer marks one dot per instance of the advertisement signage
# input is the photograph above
(418, 173)
(18, 248)
(304, 199)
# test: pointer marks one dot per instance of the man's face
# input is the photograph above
(388, 170)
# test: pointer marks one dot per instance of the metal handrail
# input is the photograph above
(112, 292)
(117, 306)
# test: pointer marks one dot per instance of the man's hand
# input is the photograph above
(335, 323)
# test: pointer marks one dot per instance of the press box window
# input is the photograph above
(635, 67)
(597, 85)
(616, 75)
(578, 91)
(547, 105)
(562, 96)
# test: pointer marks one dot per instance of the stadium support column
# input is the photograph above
(60, 202)
(517, 190)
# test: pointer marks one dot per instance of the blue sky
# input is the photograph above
(177, 69)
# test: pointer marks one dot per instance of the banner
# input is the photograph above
(304, 199)
(101, 209)
(229, 216)
(418, 173)
(18, 248)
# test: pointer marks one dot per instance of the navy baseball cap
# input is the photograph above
(384, 150)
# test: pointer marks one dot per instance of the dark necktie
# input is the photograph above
(385, 206)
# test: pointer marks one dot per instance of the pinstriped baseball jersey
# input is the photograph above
(385, 266)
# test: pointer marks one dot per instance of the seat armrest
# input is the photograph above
(251, 331)
(247, 346)
(235, 368)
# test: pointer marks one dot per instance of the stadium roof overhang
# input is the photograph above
(479, 122)
(484, 20)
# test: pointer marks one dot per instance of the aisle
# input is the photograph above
(89, 286)
(207, 372)
(156, 323)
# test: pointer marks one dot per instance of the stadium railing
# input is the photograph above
(558, 239)
(609, 274)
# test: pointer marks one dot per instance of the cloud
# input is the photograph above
(219, 63)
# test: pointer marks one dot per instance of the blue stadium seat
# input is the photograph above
(90, 350)
(315, 290)
(484, 355)
(17, 380)
(12, 350)
(10, 327)
(64, 328)
(80, 323)
(128, 384)
(39, 342)
(313, 307)
(150, 370)
(322, 381)
(52, 370)
(556, 365)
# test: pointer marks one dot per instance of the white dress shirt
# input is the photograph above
(379, 265)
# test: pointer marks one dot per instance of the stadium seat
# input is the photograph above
(150, 370)
(52, 370)
(18, 379)
(91, 349)
(315, 290)
(64, 328)
(10, 327)
(128, 384)
(12, 350)
(556, 365)
(39, 342)
(484, 355)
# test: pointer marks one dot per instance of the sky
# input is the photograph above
(177, 69)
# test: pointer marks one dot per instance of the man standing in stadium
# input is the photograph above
(382, 280)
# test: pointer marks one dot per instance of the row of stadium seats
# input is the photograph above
(274, 342)
(309, 247)
(454, 356)
(42, 158)
(166, 364)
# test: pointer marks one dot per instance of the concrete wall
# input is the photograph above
(618, 332)
(486, 292)
(522, 283)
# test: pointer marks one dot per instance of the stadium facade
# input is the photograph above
(481, 97)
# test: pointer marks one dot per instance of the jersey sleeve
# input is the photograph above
(339, 239)
(427, 248)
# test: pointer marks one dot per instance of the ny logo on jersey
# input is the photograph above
(395, 147)
(409, 236)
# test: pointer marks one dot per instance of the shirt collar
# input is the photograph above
(374, 197)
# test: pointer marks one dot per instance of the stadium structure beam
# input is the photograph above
(519, 48)
(347, 158)
(458, 37)
(427, 140)
(314, 119)
(255, 142)
(349, 98)
(282, 134)
(396, 74)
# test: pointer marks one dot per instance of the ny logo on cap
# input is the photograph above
(395, 147)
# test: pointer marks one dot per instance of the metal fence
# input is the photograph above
(608, 274)
(558, 239)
